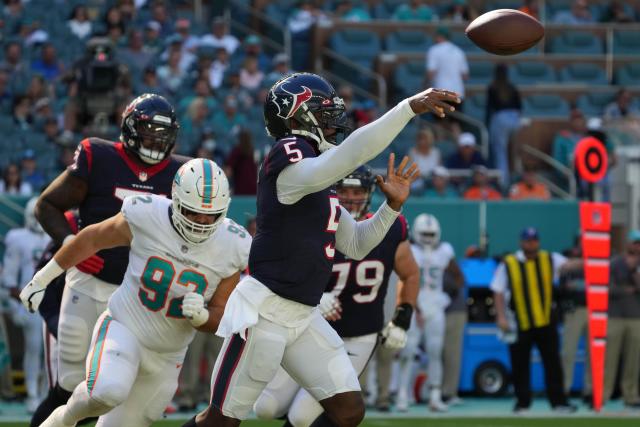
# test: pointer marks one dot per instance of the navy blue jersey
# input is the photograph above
(292, 252)
(362, 285)
(111, 176)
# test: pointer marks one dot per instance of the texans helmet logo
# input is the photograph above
(288, 104)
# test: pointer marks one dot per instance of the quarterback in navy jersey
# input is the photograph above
(102, 175)
(271, 318)
(353, 303)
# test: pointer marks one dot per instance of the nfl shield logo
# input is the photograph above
(184, 249)
(142, 176)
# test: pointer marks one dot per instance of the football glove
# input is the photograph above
(193, 309)
(394, 337)
(329, 305)
(92, 265)
(32, 294)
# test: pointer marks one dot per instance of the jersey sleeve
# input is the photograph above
(82, 159)
(241, 241)
(137, 210)
(11, 261)
(285, 152)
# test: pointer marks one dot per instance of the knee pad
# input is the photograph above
(110, 394)
(267, 407)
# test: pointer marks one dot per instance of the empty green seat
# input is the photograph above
(408, 41)
(409, 77)
(527, 73)
(545, 105)
(480, 72)
(593, 104)
(626, 42)
(628, 75)
(591, 74)
(577, 42)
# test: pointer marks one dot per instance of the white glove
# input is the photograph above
(32, 294)
(329, 305)
(194, 310)
(394, 337)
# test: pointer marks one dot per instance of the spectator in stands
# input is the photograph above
(622, 107)
(79, 23)
(152, 38)
(467, 155)
(460, 11)
(280, 70)
(13, 61)
(190, 42)
(573, 305)
(503, 117)
(192, 125)
(12, 184)
(364, 113)
(135, 55)
(529, 188)
(233, 88)
(623, 329)
(187, 58)
(252, 48)
(416, 10)
(160, 14)
(171, 75)
(565, 141)
(219, 36)
(12, 14)
(250, 75)
(346, 11)
(209, 148)
(531, 8)
(304, 17)
(37, 89)
(48, 65)
(51, 131)
(22, 113)
(150, 82)
(480, 188)
(424, 154)
(6, 97)
(229, 121)
(42, 110)
(440, 187)
(447, 66)
(113, 19)
(241, 165)
(31, 33)
(30, 172)
(218, 68)
(615, 12)
(577, 15)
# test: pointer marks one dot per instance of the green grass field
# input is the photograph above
(449, 422)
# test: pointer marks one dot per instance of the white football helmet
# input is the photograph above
(426, 231)
(199, 186)
(30, 220)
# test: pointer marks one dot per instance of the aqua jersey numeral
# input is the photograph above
(156, 281)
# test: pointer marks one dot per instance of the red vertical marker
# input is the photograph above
(595, 225)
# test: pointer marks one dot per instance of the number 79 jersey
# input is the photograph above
(361, 286)
(163, 267)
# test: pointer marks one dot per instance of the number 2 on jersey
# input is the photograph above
(156, 281)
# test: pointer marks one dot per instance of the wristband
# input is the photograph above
(402, 316)
(48, 273)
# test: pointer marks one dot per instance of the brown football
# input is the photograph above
(505, 31)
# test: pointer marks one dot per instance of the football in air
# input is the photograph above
(505, 31)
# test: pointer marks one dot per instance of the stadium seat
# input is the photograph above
(463, 42)
(591, 74)
(359, 46)
(592, 104)
(628, 75)
(545, 105)
(526, 73)
(408, 41)
(475, 105)
(480, 72)
(626, 42)
(577, 42)
(409, 77)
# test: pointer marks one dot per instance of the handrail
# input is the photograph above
(286, 36)
(484, 134)
(380, 81)
(16, 207)
(555, 164)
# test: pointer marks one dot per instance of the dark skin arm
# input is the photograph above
(454, 269)
(408, 273)
(64, 193)
(218, 301)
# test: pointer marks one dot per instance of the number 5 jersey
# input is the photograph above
(163, 267)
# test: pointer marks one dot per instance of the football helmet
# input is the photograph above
(426, 231)
(359, 178)
(199, 186)
(148, 119)
(305, 104)
(30, 220)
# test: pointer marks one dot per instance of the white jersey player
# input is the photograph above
(434, 258)
(185, 260)
(23, 248)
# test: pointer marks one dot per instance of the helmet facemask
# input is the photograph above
(151, 140)
(192, 231)
(356, 207)
(315, 121)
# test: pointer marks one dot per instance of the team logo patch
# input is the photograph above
(288, 105)
(142, 176)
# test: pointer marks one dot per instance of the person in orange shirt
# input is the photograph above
(530, 7)
(481, 189)
(529, 188)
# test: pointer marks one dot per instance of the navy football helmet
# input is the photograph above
(359, 178)
(305, 104)
(149, 128)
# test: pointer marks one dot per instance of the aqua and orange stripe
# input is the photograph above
(208, 183)
(96, 355)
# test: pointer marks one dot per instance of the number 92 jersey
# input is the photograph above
(362, 285)
(163, 267)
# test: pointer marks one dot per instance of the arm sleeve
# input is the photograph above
(357, 239)
(499, 281)
(11, 262)
(313, 174)
(242, 250)
(81, 166)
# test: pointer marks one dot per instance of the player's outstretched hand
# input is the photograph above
(193, 309)
(32, 294)
(434, 101)
(397, 185)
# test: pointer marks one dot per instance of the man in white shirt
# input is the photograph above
(447, 64)
(219, 37)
